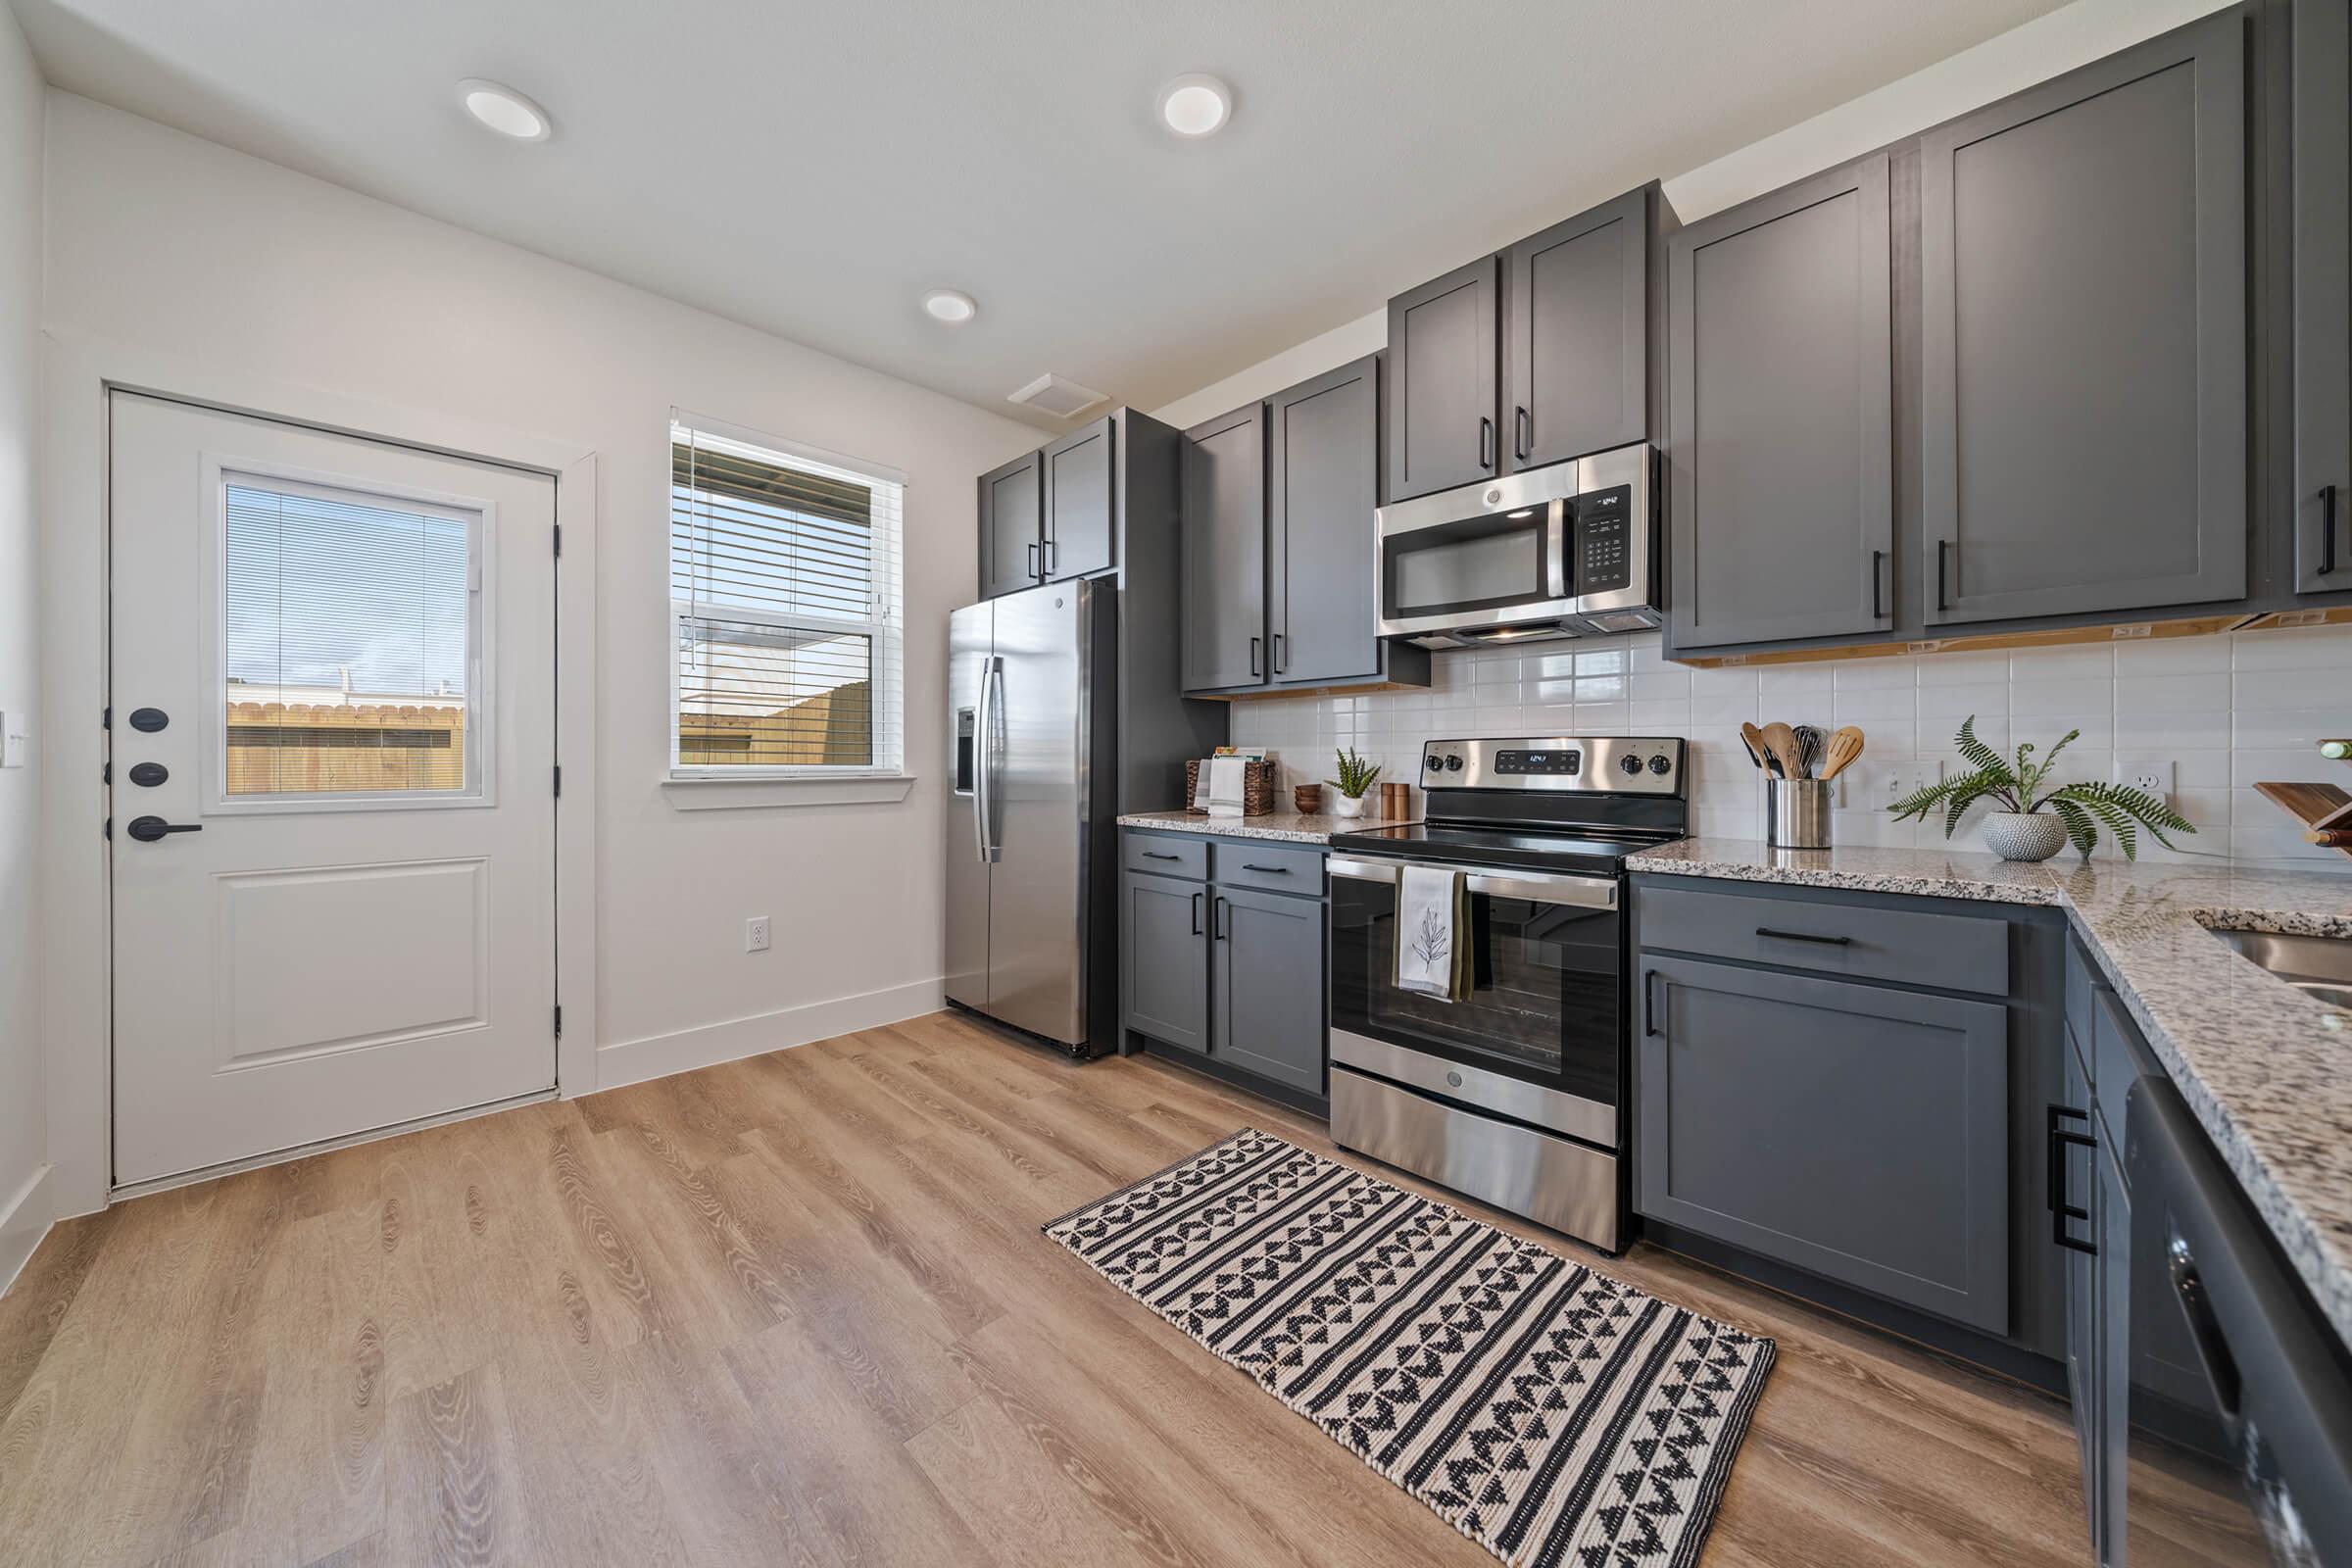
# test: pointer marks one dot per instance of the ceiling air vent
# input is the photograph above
(1058, 396)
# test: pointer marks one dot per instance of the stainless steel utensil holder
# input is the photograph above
(1796, 813)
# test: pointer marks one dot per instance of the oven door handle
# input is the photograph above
(1581, 892)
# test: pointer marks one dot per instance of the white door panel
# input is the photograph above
(349, 647)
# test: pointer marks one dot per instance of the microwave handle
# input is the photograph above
(1555, 551)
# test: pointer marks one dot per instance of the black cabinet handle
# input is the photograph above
(1197, 914)
(1253, 657)
(1033, 566)
(1878, 610)
(1050, 553)
(1486, 442)
(1221, 921)
(1942, 577)
(1160, 855)
(2327, 530)
(2062, 1139)
(1278, 652)
(1270, 870)
(1649, 1002)
(147, 829)
(1804, 936)
(1523, 433)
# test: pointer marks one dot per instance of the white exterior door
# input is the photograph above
(332, 756)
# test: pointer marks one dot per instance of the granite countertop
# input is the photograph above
(1290, 826)
(2267, 1069)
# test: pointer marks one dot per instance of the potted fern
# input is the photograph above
(1354, 782)
(2034, 822)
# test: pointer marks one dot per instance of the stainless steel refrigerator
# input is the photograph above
(1032, 738)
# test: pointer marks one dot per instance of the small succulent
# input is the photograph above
(2016, 785)
(1355, 773)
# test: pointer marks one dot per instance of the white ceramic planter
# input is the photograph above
(1346, 804)
(2019, 836)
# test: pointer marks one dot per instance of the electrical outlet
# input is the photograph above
(2150, 775)
(754, 934)
(16, 734)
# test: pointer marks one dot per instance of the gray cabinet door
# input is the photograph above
(2322, 164)
(2078, 1168)
(1163, 959)
(1322, 556)
(1576, 335)
(1858, 1132)
(1010, 514)
(1078, 526)
(1224, 587)
(1441, 382)
(2084, 339)
(1780, 444)
(1267, 968)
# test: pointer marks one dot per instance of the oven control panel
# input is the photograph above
(1610, 763)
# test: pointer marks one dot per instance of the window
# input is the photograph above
(351, 629)
(784, 587)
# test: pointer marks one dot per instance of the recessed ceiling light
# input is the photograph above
(1194, 106)
(950, 305)
(503, 110)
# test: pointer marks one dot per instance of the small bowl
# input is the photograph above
(1307, 798)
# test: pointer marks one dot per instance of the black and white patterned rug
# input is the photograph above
(1551, 1414)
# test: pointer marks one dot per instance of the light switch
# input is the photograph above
(16, 738)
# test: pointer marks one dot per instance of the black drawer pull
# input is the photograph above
(1649, 1002)
(2060, 1140)
(1801, 936)
(1197, 914)
(1270, 870)
(1160, 855)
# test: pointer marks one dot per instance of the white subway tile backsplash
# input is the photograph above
(2226, 712)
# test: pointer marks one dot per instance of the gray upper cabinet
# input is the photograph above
(1576, 335)
(1163, 959)
(2322, 339)
(1443, 389)
(1078, 530)
(2085, 339)
(1780, 429)
(1267, 959)
(1224, 587)
(1857, 1132)
(1012, 510)
(1322, 554)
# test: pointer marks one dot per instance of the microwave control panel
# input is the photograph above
(1604, 540)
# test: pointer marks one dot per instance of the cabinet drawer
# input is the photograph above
(1165, 854)
(1244, 863)
(1959, 953)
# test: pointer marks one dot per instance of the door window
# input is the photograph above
(351, 647)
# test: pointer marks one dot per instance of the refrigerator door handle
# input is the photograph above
(984, 795)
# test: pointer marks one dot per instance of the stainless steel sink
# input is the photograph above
(2320, 967)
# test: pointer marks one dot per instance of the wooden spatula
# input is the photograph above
(1780, 743)
(1753, 739)
(1844, 746)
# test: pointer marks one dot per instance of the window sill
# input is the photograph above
(715, 794)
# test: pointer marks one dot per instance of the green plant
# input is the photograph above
(1355, 773)
(2016, 784)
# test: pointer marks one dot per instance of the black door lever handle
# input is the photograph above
(147, 829)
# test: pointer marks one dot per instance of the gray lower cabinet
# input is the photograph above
(1164, 958)
(1266, 961)
(1012, 500)
(1849, 1130)
(2076, 1225)
(1078, 507)
(2322, 254)
(1779, 444)
(1224, 578)
(1443, 347)
(2085, 339)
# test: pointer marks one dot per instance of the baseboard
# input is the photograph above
(632, 1061)
(25, 1218)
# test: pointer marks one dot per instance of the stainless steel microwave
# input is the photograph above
(1564, 551)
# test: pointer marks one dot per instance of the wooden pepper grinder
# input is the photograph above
(1396, 802)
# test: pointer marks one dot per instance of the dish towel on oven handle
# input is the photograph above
(1433, 909)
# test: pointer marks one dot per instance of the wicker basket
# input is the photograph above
(1258, 788)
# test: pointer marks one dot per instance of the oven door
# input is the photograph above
(1541, 1038)
(1482, 557)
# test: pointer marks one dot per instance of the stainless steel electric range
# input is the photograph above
(1514, 1095)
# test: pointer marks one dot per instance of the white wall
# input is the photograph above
(176, 246)
(2225, 712)
(24, 1214)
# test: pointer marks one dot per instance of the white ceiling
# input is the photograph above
(811, 167)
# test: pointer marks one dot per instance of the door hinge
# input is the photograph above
(558, 1020)
(558, 539)
(558, 781)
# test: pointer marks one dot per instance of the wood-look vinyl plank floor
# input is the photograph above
(795, 1309)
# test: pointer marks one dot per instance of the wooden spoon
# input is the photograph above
(1753, 739)
(1780, 743)
(1844, 746)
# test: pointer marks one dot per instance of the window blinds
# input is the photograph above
(785, 593)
